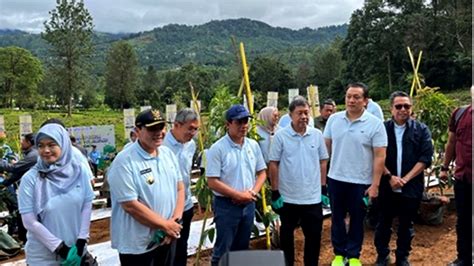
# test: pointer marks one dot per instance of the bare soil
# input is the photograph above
(432, 245)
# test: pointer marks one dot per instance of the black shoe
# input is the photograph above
(457, 262)
(385, 261)
(402, 262)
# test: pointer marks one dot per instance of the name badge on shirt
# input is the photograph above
(149, 179)
(145, 171)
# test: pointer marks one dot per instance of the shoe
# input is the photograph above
(402, 262)
(354, 262)
(385, 261)
(338, 261)
(457, 262)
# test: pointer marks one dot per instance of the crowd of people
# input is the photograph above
(351, 156)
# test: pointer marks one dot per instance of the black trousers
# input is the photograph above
(310, 217)
(463, 195)
(161, 256)
(182, 243)
(389, 206)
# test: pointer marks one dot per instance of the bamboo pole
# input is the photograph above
(254, 129)
(416, 79)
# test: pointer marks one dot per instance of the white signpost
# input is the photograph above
(128, 121)
(26, 126)
(272, 99)
(143, 108)
(94, 135)
(292, 93)
(2, 123)
(171, 111)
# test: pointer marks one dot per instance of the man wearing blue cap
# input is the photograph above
(235, 172)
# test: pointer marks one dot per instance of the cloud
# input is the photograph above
(141, 15)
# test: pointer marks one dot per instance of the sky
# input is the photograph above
(129, 16)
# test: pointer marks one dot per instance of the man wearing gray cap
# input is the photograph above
(235, 173)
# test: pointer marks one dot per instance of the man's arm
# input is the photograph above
(149, 218)
(449, 154)
(273, 173)
(178, 211)
(416, 170)
(328, 145)
(323, 166)
(261, 177)
(17, 169)
(378, 168)
(222, 188)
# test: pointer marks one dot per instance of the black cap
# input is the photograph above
(149, 118)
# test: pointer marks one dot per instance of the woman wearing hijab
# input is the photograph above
(55, 201)
(269, 117)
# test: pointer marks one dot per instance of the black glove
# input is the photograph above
(62, 250)
(80, 243)
(324, 190)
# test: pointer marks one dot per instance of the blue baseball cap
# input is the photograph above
(236, 112)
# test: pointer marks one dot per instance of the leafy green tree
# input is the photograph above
(148, 93)
(69, 31)
(20, 74)
(121, 75)
(268, 74)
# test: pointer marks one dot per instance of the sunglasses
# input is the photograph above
(400, 106)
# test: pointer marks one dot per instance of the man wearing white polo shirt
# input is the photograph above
(357, 142)
(298, 161)
(180, 141)
(147, 196)
(235, 173)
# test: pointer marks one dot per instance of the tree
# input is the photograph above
(149, 90)
(121, 75)
(69, 33)
(20, 74)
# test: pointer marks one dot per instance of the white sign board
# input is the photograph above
(143, 108)
(292, 93)
(272, 99)
(128, 120)
(171, 111)
(94, 135)
(2, 123)
(26, 126)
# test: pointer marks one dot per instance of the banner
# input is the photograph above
(94, 135)
(292, 93)
(128, 121)
(26, 126)
(272, 99)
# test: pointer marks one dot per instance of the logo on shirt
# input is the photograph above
(150, 180)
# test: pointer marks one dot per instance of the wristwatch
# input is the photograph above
(444, 168)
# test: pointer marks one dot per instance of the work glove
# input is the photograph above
(157, 238)
(69, 255)
(324, 196)
(277, 201)
(80, 243)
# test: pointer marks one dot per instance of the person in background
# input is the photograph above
(133, 138)
(375, 109)
(409, 153)
(298, 161)
(357, 144)
(7, 153)
(55, 201)
(326, 109)
(459, 149)
(235, 173)
(147, 193)
(180, 141)
(94, 157)
(269, 117)
(79, 147)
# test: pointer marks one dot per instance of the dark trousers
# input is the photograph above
(182, 243)
(310, 217)
(347, 198)
(391, 205)
(463, 194)
(160, 256)
(233, 226)
(95, 168)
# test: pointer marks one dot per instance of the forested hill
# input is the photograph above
(208, 44)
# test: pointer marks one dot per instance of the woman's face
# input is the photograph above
(275, 117)
(49, 150)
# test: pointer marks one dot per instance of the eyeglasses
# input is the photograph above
(399, 106)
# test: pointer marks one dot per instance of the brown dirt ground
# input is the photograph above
(432, 245)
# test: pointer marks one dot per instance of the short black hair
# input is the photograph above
(72, 138)
(361, 85)
(398, 94)
(328, 101)
(53, 121)
(30, 137)
(298, 101)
